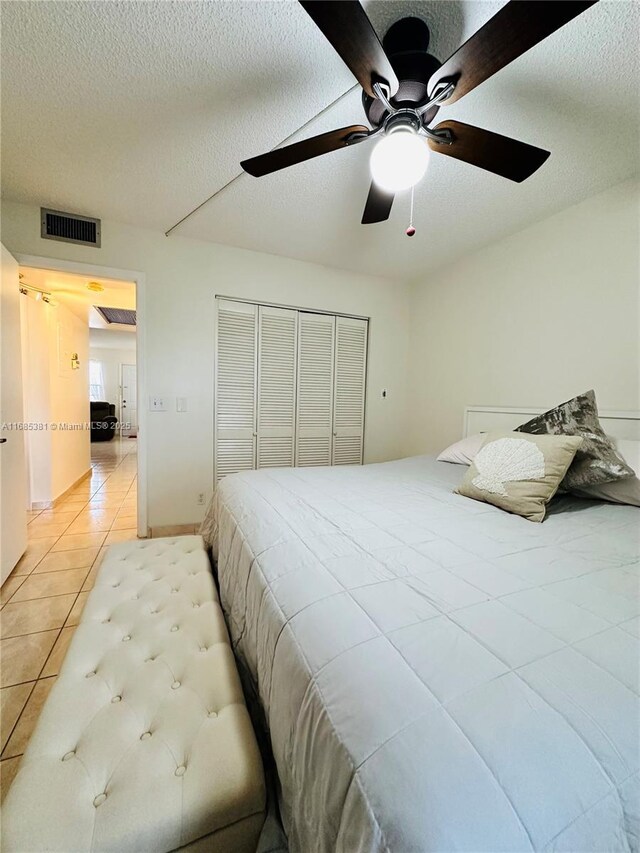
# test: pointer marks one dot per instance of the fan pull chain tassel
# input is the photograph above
(411, 230)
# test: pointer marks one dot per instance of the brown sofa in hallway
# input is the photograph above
(103, 421)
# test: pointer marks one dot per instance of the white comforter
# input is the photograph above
(437, 675)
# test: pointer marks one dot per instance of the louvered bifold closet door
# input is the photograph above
(316, 334)
(348, 406)
(235, 446)
(277, 346)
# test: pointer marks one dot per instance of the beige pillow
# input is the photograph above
(519, 472)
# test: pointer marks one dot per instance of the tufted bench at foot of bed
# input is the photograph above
(144, 744)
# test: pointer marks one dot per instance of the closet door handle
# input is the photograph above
(3, 440)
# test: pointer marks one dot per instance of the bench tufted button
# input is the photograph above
(149, 660)
(180, 771)
(90, 674)
(68, 756)
(126, 638)
(175, 685)
(174, 590)
(99, 800)
(212, 714)
(106, 621)
(195, 604)
(145, 735)
(174, 627)
(115, 585)
(116, 698)
(203, 648)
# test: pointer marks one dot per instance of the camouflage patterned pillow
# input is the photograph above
(597, 460)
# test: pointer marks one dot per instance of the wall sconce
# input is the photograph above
(75, 361)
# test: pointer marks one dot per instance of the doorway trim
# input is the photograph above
(139, 279)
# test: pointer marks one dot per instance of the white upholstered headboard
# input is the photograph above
(624, 425)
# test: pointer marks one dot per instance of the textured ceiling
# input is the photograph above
(138, 111)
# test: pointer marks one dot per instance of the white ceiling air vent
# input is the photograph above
(69, 228)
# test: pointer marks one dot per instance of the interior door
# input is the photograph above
(235, 406)
(13, 467)
(316, 333)
(129, 406)
(277, 345)
(349, 397)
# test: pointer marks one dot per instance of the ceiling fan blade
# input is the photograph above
(378, 205)
(351, 34)
(281, 158)
(491, 151)
(518, 26)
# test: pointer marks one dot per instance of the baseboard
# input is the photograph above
(173, 530)
(60, 498)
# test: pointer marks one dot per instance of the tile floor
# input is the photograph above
(42, 599)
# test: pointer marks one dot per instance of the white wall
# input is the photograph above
(531, 320)
(182, 278)
(55, 395)
(111, 359)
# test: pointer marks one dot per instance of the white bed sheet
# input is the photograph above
(436, 674)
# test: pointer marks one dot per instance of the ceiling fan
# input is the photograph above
(403, 88)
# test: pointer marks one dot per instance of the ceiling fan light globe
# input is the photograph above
(399, 161)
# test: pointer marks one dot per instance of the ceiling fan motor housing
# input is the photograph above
(406, 44)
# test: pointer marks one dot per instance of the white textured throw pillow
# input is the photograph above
(464, 451)
(625, 491)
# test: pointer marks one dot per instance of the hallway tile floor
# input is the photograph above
(41, 601)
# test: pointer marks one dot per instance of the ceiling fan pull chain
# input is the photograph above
(411, 230)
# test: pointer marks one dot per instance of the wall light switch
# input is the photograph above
(181, 404)
(385, 393)
(156, 404)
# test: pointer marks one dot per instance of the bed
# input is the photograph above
(436, 674)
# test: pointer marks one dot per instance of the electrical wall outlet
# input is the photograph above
(200, 500)
(156, 404)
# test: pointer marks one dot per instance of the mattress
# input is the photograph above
(436, 674)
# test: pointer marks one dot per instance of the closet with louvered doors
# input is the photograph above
(290, 388)
(349, 390)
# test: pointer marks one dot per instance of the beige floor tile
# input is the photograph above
(98, 514)
(41, 529)
(28, 719)
(83, 495)
(11, 584)
(70, 503)
(55, 516)
(39, 614)
(121, 536)
(22, 658)
(60, 561)
(12, 701)
(76, 611)
(36, 549)
(76, 541)
(91, 577)
(43, 584)
(105, 504)
(123, 522)
(54, 662)
(90, 525)
(8, 769)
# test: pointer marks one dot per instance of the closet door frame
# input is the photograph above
(219, 297)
